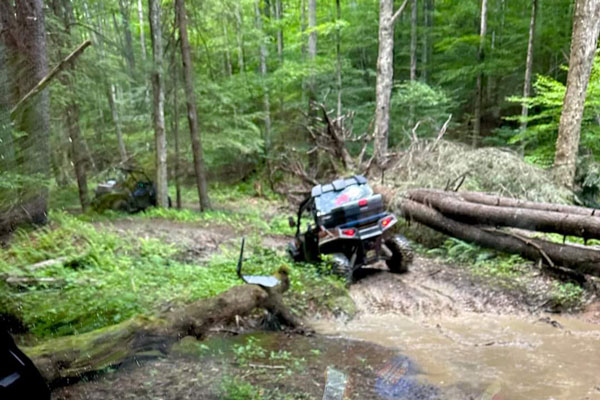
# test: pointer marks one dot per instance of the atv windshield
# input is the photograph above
(330, 200)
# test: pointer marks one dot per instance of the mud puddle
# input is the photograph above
(488, 343)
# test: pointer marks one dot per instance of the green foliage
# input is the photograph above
(429, 105)
(566, 295)
(106, 278)
(542, 124)
(237, 389)
(487, 263)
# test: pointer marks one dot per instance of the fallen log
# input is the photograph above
(530, 219)
(581, 259)
(68, 358)
(493, 200)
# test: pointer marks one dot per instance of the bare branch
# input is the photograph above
(397, 13)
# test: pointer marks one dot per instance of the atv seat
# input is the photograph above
(261, 280)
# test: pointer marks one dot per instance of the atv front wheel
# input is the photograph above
(402, 254)
(341, 266)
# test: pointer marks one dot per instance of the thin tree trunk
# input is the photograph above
(125, 20)
(176, 132)
(240, 37)
(278, 17)
(141, 20)
(584, 41)
(338, 54)
(479, 89)
(529, 63)
(228, 66)
(413, 40)
(77, 153)
(425, 50)
(313, 158)
(385, 77)
(263, 73)
(191, 105)
(115, 117)
(158, 109)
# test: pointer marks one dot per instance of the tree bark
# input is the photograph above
(239, 37)
(176, 134)
(427, 11)
(413, 39)
(23, 33)
(580, 259)
(529, 62)
(523, 218)
(492, 200)
(158, 103)
(385, 78)
(278, 17)
(128, 50)
(78, 153)
(69, 357)
(584, 41)
(191, 105)
(115, 117)
(262, 49)
(338, 54)
(141, 20)
(479, 84)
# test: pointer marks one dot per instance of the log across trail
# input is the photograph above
(66, 358)
(476, 217)
(540, 220)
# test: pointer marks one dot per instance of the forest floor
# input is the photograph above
(457, 326)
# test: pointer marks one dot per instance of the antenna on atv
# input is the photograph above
(241, 259)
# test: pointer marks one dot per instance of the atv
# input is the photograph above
(130, 191)
(348, 221)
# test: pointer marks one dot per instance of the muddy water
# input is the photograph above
(500, 357)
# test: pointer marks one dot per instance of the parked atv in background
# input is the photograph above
(131, 190)
(348, 221)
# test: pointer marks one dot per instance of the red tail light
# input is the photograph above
(348, 232)
(386, 221)
(363, 202)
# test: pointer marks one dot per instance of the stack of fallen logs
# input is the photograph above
(500, 223)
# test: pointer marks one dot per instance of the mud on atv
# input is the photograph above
(130, 191)
(349, 222)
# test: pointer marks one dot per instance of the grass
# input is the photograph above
(482, 262)
(107, 278)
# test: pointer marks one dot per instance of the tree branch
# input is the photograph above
(397, 13)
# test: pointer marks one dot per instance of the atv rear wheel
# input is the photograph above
(402, 254)
(341, 266)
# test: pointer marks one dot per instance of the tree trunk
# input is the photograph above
(158, 104)
(141, 20)
(492, 200)
(125, 21)
(584, 41)
(176, 133)
(278, 17)
(228, 66)
(262, 49)
(239, 37)
(115, 117)
(338, 54)
(533, 220)
(24, 37)
(529, 63)
(385, 78)
(191, 105)
(413, 40)
(427, 16)
(69, 357)
(479, 88)
(77, 153)
(581, 259)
